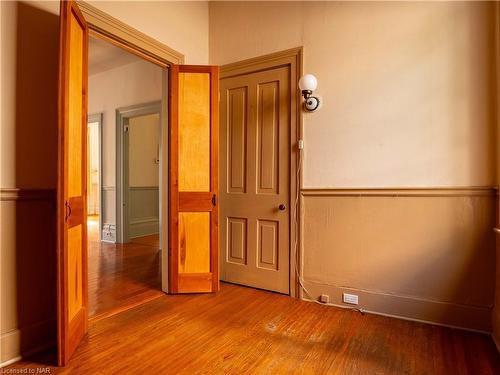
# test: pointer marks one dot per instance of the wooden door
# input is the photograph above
(255, 179)
(194, 148)
(71, 200)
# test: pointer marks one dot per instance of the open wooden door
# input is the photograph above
(71, 197)
(194, 148)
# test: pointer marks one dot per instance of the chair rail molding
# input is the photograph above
(427, 191)
(21, 194)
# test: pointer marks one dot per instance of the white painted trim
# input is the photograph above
(10, 341)
(495, 341)
(10, 361)
(29, 353)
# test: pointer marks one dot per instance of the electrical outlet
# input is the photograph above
(324, 298)
(350, 298)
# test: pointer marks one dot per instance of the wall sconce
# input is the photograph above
(307, 85)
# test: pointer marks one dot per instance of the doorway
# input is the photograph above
(94, 178)
(138, 174)
(188, 149)
(123, 179)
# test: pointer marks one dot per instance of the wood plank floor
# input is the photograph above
(121, 275)
(246, 331)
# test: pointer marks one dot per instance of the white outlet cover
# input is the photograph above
(350, 298)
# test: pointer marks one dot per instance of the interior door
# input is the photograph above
(194, 148)
(71, 200)
(255, 179)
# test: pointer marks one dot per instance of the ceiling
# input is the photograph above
(104, 56)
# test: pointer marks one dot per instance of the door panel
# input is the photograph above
(194, 131)
(194, 240)
(255, 179)
(72, 229)
(237, 140)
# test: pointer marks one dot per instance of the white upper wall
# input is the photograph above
(127, 85)
(407, 88)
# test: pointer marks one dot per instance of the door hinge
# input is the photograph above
(214, 200)
(125, 128)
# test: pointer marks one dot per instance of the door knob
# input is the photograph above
(282, 207)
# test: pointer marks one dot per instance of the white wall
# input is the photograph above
(127, 85)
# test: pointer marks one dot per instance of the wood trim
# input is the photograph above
(193, 201)
(173, 162)
(19, 194)
(275, 59)
(106, 27)
(70, 333)
(201, 282)
(293, 58)
(214, 177)
(465, 191)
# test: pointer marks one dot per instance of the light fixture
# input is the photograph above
(307, 85)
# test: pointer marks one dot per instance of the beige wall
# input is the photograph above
(28, 153)
(406, 87)
(419, 256)
(408, 101)
(181, 25)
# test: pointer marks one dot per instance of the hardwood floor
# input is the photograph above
(121, 275)
(246, 331)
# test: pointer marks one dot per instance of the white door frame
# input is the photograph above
(98, 117)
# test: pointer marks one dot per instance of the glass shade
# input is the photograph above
(308, 82)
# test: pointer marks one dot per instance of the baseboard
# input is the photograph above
(497, 344)
(364, 311)
(143, 227)
(22, 342)
(474, 318)
(10, 361)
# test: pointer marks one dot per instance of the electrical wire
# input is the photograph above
(296, 244)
